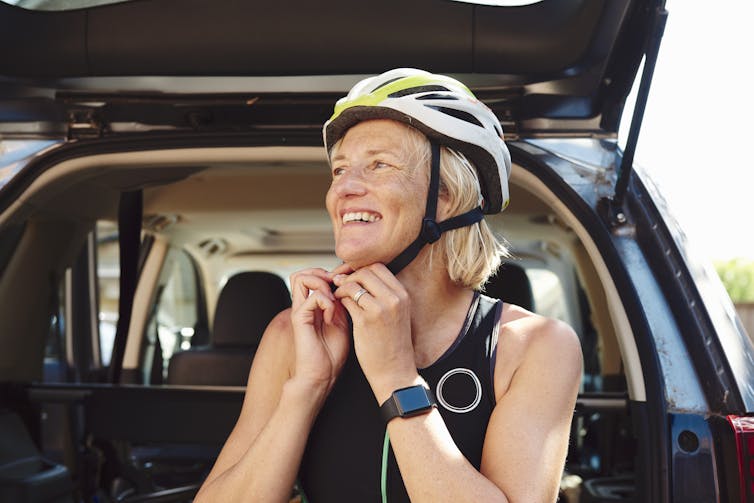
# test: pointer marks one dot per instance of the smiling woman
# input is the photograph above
(391, 205)
(470, 256)
(221, 134)
(397, 327)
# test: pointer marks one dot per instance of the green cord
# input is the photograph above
(383, 484)
(301, 492)
(385, 452)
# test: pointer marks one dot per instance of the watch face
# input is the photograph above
(412, 399)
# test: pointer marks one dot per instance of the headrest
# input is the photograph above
(247, 304)
(511, 284)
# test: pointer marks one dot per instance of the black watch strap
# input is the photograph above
(407, 402)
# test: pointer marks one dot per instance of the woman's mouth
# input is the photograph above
(360, 216)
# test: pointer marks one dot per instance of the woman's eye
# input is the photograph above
(337, 171)
(379, 165)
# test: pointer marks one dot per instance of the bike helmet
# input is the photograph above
(448, 114)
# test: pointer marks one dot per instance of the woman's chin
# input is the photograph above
(358, 257)
(355, 262)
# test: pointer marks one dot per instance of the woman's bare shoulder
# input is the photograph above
(523, 327)
(277, 341)
(527, 338)
(272, 366)
(280, 326)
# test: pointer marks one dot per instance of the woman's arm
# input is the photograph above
(527, 439)
(260, 458)
(300, 355)
(527, 435)
(537, 377)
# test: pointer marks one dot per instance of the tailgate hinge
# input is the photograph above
(612, 207)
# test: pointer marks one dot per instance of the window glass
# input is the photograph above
(55, 359)
(549, 296)
(177, 308)
(175, 319)
(108, 284)
(63, 361)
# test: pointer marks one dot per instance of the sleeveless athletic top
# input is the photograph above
(344, 454)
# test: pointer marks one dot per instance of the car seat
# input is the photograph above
(25, 475)
(246, 305)
(511, 284)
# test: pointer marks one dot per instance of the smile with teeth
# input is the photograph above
(360, 216)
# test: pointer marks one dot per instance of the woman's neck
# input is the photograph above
(438, 307)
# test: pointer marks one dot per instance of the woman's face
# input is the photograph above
(378, 195)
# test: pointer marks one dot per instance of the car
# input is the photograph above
(162, 174)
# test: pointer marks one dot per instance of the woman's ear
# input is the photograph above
(443, 204)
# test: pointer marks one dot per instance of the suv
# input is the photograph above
(161, 165)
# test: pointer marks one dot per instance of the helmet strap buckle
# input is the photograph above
(431, 231)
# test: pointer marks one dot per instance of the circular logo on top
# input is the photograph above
(459, 390)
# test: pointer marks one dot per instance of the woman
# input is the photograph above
(391, 378)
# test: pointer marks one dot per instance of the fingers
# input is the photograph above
(383, 273)
(302, 283)
(342, 269)
(376, 278)
(378, 282)
(359, 290)
(370, 273)
(358, 300)
(318, 301)
(308, 280)
(311, 290)
(353, 293)
(312, 299)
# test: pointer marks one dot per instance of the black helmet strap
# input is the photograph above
(431, 230)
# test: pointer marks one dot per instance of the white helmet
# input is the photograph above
(440, 107)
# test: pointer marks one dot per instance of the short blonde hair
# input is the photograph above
(471, 254)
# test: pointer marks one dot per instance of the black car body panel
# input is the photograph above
(565, 65)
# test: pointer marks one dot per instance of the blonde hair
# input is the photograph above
(471, 254)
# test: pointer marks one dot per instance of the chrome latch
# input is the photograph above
(84, 123)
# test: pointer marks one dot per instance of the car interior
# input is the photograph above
(221, 231)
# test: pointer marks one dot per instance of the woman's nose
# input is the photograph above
(350, 183)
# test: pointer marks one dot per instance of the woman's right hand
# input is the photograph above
(320, 329)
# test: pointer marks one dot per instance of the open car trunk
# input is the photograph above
(211, 122)
(153, 437)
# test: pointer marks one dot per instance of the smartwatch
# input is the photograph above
(407, 402)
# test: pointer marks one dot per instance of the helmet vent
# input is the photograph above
(435, 96)
(417, 90)
(383, 84)
(458, 114)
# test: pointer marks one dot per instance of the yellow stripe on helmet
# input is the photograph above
(376, 97)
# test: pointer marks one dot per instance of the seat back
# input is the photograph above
(511, 284)
(246, 305)
(25, 475)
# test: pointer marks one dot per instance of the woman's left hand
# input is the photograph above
(381, 327)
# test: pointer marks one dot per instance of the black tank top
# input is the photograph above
(343, 457)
